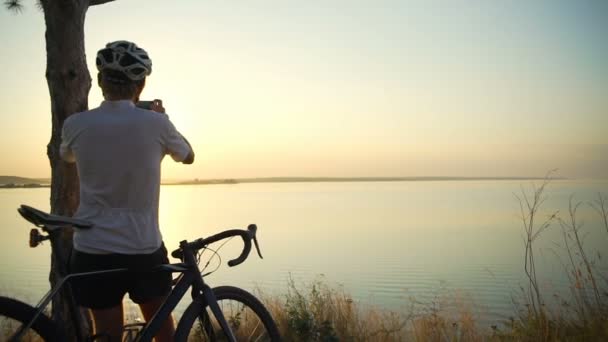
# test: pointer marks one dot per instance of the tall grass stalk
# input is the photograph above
(572, 231)
(585, 315)
(530, 205)
(601, 207)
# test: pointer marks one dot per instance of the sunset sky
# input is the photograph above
(343, 88)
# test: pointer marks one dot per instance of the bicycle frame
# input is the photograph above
(189, 277)
(46, 299)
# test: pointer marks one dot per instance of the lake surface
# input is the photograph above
(383, 242)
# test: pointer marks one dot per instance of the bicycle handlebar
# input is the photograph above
(246, 235)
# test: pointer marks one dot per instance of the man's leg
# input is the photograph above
(167, 329)
(109, 321)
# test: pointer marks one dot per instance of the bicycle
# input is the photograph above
(224, 313)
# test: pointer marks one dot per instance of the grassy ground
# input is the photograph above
(318, 312)
(322, 313)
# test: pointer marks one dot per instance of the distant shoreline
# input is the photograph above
(24, 186)
(344, 179)
(32, 183)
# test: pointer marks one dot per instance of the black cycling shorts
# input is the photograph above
(104, 291)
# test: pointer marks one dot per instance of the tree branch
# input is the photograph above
(98, 2)
(13, 5)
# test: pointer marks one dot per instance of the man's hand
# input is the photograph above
(157, 106)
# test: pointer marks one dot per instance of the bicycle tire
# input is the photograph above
(18, 311)
(187, 331)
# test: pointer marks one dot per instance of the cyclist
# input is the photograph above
(118, 149)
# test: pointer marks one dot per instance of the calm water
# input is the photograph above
(384, 242)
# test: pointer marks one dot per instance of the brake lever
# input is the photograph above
(257, 247)
(252, 228)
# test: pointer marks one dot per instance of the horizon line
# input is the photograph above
(196, 181)
(302, 179)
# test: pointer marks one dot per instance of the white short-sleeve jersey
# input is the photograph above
(118, 149)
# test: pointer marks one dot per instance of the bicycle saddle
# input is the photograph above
(40, 218)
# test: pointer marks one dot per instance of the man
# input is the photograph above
(118, 149)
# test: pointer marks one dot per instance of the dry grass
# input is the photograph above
(318, 312)
(8, 327)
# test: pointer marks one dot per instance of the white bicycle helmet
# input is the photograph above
(126, 57)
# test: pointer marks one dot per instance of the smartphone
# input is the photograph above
(145, 104)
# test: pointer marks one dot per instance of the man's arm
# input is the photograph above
(157, 106)
(190, 157)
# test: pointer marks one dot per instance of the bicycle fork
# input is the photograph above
(211, 300)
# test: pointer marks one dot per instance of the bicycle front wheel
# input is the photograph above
(15, 314)
(248, 319)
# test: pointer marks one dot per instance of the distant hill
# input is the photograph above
(22, 180)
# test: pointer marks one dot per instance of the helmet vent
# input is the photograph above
(125, 57)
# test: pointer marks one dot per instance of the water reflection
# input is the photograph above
(384, 242)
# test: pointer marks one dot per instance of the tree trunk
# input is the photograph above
(69, 83)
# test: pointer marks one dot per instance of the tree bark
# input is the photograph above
(69, 83)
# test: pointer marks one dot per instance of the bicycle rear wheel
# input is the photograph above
(246, 315)
(14, 314)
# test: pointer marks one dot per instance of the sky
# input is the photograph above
(343, 88)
